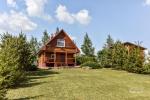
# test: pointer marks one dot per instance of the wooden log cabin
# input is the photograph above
(60, 50)
(130, 46)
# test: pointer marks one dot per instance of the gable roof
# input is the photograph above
(129, 43)
(50, 40)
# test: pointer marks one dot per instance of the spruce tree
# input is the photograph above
(14, 58)
(34, 47)
(109, 42)
(87, 47)
(57, 30)
(135, 63)
(103, 58)
(105, 55)
(45, 37)
(119, 55)
(3, 89)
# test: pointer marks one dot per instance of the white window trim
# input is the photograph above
(52, 56)
(61, 41)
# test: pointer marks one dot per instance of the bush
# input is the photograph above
(2, 89)
(14, 59)
(135, 69)
(146, 69)
(83, 59)
(105, 57)
(135, 61)
(93, 65)
(32, 68)
(119, 56)
(2, 94)
(11, 59)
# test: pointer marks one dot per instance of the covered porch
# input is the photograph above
(56, 59)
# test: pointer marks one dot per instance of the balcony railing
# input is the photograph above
(51, 60)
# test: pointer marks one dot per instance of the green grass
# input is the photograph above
(83, 84)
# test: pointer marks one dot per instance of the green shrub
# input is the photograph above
(32, 68)
(14, 58)
(82, 59)
(2, 94)
(93, 65)
(146, 69)
(135, 62)
(2, 89)
(135, 69)
(105, 57)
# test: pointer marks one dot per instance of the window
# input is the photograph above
(60, 43)
(52, 56)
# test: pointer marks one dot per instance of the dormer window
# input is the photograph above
(60, 43)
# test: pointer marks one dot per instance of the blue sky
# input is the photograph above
(127, 20)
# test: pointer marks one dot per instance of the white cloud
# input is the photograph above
(147, 2)
(11, 3)
(47, 18)
(36, 8)
(63, 15)
(16, 21)
(83, 17)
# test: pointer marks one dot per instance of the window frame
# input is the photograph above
(52, 56)
(60, 41)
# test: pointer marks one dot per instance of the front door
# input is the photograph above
(62, 57)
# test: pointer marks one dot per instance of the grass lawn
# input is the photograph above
(83, 84)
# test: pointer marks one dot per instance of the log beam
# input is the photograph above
(66, 58)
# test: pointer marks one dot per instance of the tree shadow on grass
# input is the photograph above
(28, 98)
(42, 73)
(28, 84)
(32, 78)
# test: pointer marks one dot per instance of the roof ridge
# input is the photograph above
(138, 45)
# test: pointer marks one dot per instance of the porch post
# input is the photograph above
(66, 60)
(54, 59)
(44, 60)
(75, 58)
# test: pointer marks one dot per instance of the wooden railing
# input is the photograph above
(69, 60)
(49, 59)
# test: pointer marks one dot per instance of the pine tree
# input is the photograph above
(146, 67)
(105, 55)
(14, 58)
(135, 63)
(34, 47)
(57, 30)
(87, 47)
(45, 37)
(102, 56)
(119, 55)
(109, 42)
(3, 89)
(25, 52)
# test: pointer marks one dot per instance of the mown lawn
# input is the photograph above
(83, 84)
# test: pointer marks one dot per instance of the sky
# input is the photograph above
(126, 20)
